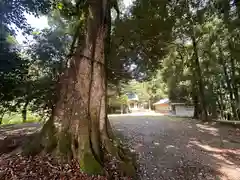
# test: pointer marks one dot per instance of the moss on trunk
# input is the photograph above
(78, 128)
(90, 165)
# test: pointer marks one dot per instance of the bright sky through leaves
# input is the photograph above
(42, 22)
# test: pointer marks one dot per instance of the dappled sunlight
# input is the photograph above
(189, 126)
(187, 148)
(205, 128)
(227, 160)
(230, 172)
(208, 148)
(18, 129)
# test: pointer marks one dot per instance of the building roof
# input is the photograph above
(162, 101)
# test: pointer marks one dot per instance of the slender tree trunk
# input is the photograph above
(235, 86)
(220, 108)
(233, 74)
(196, 109)
(214, 114)
(121, 108)
(220, 100)
(229, 88)
(213, 102)
(1, 117)
(24, 111)
(198, 76)
(234, 83)
(149, 105)
(195, 101)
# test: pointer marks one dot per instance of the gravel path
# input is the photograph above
(173, 148)
(169, 148)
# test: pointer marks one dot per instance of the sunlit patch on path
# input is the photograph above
(172, 148)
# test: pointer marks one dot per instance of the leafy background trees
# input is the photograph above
(187, 50)
(199, 64)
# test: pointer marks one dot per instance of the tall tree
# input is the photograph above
(78, 127)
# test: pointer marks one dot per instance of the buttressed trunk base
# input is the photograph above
(78, 127)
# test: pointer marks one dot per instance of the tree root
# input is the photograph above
(62, 146)
(124, 159)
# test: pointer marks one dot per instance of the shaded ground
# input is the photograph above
(172, 148)
(11, 136)
(169, 148)
(14, 166)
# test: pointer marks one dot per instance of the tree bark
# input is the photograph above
(220, 109)
(234, 83)
(195, 100)
(198, 77)
(78, 116)
(229, 87)
(24, 111)
(1, 118)
(80, 108)
(79, 127)
(220, 100)
(149, 105)
(234, 86)
(233, 74)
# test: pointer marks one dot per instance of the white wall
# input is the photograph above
(184, 111)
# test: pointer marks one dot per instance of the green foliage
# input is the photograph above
(12, 12)
(202, 33)
(146, 90)
(90, 165)
(139, 42)
(14, 67)
(16, 118)
(13, 70)
(163, 45)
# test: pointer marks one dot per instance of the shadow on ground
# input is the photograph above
(14, 135)
(185, 149)
(168, 148)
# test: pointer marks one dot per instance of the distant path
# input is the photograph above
(176, 149)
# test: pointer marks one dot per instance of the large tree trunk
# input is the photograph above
(78, 127)
(80, 107)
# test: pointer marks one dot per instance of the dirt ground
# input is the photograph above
(172, 148)
(168, 148)
(11, 136)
